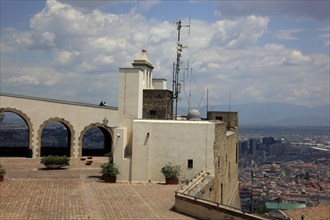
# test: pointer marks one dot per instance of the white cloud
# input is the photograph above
(314, 9)
(143, 6)
(77, 53)
(287, 34)
(241, 32)
(66, 58)
(103, 60)
(326, 38)
(26, 75)
(88, 5)
(24, 80)
(295, 58)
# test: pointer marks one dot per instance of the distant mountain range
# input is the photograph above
(278, 114)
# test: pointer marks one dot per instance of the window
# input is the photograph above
(152, 112)
(190, 163)
(237, 146)
(229, 170)
(219, 118)
(221, 191)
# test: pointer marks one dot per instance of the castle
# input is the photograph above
(142, 135)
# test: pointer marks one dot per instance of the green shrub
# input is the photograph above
(171, 171)
(109, 169)
(55, 160)
(110, 156)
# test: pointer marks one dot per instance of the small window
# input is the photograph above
(190, 163)
(229, 170)
(152, 112)
(237, 146)
(219, 118)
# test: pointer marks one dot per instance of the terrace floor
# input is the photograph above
(31, 192)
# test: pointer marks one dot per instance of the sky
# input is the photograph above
(251, 51)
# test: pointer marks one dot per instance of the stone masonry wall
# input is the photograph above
(157, 104)
(226, 166)
(230, 118)
(224, 188)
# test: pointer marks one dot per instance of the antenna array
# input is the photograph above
(176, 86)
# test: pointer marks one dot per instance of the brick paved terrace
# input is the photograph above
(29, 191)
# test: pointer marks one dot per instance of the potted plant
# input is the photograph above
(109, 156)
(171, 173)
(89, 162)
(109, 172)
(2, 172)
(55, 162)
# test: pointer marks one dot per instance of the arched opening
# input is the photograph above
(55, 139)
(14, 136)
(96, 141)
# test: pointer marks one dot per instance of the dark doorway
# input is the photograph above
(14, 136)
(55, 139)
(96, 142)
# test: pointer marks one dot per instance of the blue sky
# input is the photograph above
(259, 51)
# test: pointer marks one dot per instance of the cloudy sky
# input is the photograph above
(256, 51)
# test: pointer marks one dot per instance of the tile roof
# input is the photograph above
(283, 206)
(321, 212)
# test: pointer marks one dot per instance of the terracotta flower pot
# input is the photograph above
(53, 166)
(110, 179)
(171, 181)
(89, 162)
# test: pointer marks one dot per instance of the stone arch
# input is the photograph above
(93, 125)
(26, 119)
(66, 124)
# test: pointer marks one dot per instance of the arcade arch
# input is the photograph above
(22, 150)
(107, 143)
(68, 150)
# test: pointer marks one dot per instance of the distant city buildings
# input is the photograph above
(284, 173)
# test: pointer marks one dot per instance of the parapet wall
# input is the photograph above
(226, 166)
(204, 209)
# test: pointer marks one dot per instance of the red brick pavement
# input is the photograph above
(31, 192)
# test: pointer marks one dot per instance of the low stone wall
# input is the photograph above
(203, 209)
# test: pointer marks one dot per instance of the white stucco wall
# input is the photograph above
(118, 148)
(78, 115)
(159, 83)
(130, 92)
(171, 141)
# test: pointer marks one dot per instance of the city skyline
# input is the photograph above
(256, 51)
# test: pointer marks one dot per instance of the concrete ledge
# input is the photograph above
(57, 101)
(203, 209)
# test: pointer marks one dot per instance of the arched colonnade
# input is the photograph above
(35, 135)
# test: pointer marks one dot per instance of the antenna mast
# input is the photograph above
(189, 87)
(176, 84)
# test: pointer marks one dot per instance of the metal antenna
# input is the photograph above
(207, 102)
(228, 125)
(176, 84)
(189, 26)
(189, 90)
